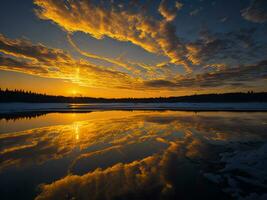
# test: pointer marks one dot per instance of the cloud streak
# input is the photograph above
(169, 13)
(241, 76)
(256, 12)
(23, 56)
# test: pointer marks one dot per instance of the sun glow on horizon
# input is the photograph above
(74, 92)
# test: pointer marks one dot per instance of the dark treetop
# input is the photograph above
(28, 96)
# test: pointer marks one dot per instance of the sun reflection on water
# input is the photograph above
(77, 130)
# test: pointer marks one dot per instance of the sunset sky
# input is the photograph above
(137, 48)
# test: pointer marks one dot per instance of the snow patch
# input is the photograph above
(243, 169)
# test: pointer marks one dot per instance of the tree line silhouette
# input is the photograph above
(32, 97)
(18, 115)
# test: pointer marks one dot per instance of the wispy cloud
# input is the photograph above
(169, 13)
(230, 48)
(195, 11)
(256, 11)
(242, 76)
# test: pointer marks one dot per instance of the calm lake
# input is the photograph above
(134, 155)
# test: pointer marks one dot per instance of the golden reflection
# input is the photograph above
(99, 134)
(77, 130)
(132, 149)
(122, 129)
(127, 178)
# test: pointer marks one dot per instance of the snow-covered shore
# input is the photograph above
(6, 108)
(58, 107)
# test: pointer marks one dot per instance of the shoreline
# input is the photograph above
(24, 109)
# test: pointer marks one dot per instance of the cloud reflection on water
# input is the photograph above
(125, 153)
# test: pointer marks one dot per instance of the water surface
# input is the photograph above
(134, 155)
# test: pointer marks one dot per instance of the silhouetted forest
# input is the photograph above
(16, 116)
(31, 97)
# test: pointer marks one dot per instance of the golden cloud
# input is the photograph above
(169, 13)
(98, 21)
(23, 56)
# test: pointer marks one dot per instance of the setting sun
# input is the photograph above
(74, 92)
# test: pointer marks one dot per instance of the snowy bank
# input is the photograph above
(61, 107)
